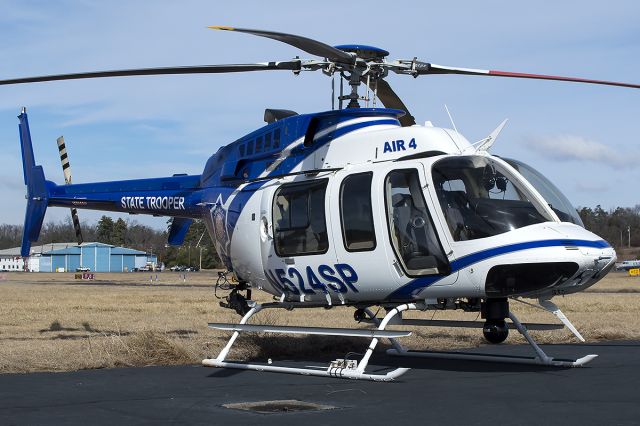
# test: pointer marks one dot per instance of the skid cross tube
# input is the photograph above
(334, 370)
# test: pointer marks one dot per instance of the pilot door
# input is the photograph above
(418, 249)
(296, 241)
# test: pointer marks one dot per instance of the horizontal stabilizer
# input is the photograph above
(179, 228)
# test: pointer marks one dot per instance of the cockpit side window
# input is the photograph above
(410, 225)
(300, 226)
(479, 199)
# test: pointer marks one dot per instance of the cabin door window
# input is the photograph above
(356, 213)
(300, 225)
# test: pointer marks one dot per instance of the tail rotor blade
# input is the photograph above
(76, 225)
(66, 169)
(64, 160)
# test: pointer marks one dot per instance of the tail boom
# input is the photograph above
(178, 196)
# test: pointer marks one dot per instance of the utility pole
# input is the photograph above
(629, 231)
(198, 245)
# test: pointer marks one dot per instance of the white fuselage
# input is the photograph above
(294, 256)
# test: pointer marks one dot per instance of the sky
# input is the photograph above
(584, 138)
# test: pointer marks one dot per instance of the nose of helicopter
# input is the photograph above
(569, 259)
(595, 260)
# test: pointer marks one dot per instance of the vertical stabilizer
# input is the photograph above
(37, 193)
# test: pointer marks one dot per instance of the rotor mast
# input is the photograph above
(364, 69)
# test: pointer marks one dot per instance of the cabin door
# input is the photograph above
(359, 233)
(298, 256)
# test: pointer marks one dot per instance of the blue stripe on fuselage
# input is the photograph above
(241, 198)
(413, 287)
(290, 163)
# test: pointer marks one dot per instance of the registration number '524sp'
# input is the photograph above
(339, 278)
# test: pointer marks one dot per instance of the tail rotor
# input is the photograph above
(66, 169)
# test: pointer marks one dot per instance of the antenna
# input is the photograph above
(451, 118)
(333, 92)
(341, 91)
(375, 91)
(368, 95)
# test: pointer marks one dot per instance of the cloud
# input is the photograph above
(578, 148)
(591, 187)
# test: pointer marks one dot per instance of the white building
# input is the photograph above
(10, 262)
(10, 259)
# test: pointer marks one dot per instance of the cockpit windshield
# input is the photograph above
(552, 195)
(481, 199)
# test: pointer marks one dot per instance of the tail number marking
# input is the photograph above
(340, 279)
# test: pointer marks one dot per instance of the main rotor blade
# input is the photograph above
(313, 47)
(197, 69)
(391, 100)
(423, 68)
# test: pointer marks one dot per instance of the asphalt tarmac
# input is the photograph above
(441, 392)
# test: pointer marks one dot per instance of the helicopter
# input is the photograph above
(358, 207)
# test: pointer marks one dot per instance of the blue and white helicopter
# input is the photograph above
(360, 207)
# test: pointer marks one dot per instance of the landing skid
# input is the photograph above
(353, 369)
(541, 358)
(342, 368)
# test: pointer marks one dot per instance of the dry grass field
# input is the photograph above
(52, 322)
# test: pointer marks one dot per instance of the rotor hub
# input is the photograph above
(362, 51)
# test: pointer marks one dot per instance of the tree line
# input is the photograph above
(126, 233)
(615, 225)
